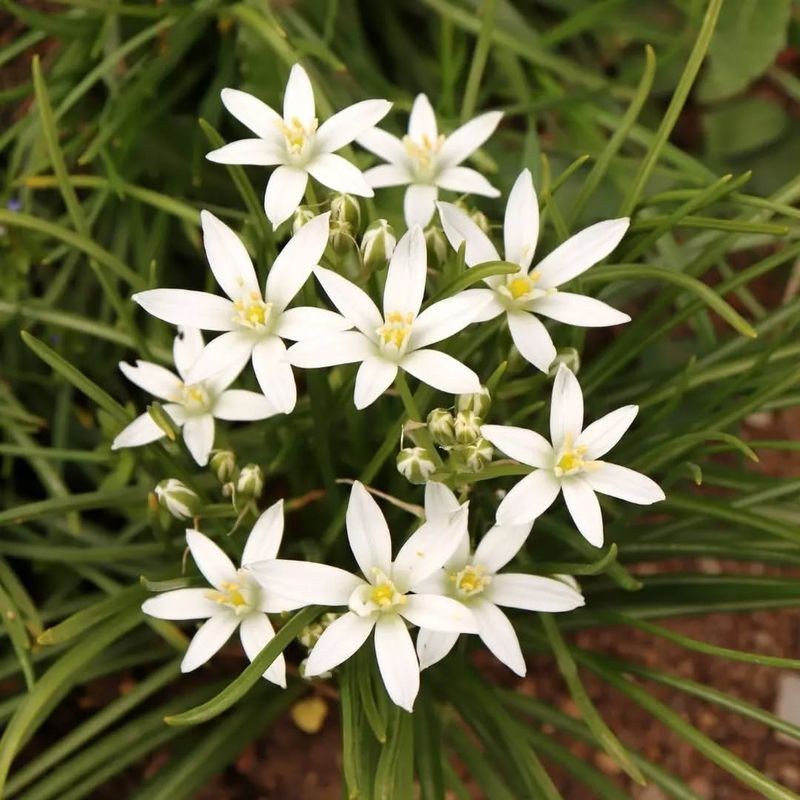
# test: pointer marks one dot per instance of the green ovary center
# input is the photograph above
(296, 134)
(570, 459)
(393, 334)
(470, 581)
(521, 286)
(422, 154)
(253, 312)
(194, 397)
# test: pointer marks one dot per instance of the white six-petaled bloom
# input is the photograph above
(255, 324)
(398, 337)
(472, 579)
(384, 600)
(190, 404)
(570, 464)
(295, 144)
(427, 161)
(237, 600)
(528, 292)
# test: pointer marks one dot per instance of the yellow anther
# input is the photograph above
(382, 594)
(395, 331)
(521, 285)
(296, 134)
(571, 460)
(471, 580)
(253, 314)
(423, 152)
(230, 596)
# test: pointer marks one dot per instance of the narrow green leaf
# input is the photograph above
(474, 275)
(394, 775)
(250, 676)
(60, 505)
(15, 628)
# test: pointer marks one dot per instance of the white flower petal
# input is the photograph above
(438, 613)
(383, 144)
(499, 545)
(256, 632)
(338, 642)
(465, 181)
(181, 604)
(187, 307)
(493, 308)
(292, 268)
(583, 508)
(210, 637)
(143, 430)
(533, 593)
(419, 204)
(624, 484)
(575, 309)
(229, 352)
(387, 175)
(531, 339)
(405, 279)
(349, 123)
(581, 251)
(284, 194)
(265, 538)
(252, 112)
(440, 502)
(447, 317)
(529, 498)
(274, 374)
(521, 225)
(521, 444)
(198, 434)
(254, 152)
(308, 322)
(441, 371)
(328, 351)
(498, 634)
(459, 227)
(339, 174)
(228, 258)
(566, 408)
(353, 303)
(298, 100)
(176, 412)
(239, 405)
(429, 548)
(433, 646)
(422, 120)
(397, 660)
(154, 379)
(304, 583)
(186, 349)
(374, 377)
(599, 437)
(368, 533)
(465, 140)
(212, 562)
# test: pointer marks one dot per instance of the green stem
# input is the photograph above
(479, 60)
(410, 405)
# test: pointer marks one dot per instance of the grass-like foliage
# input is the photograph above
(107, 117)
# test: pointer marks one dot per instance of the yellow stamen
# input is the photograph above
(296, 134)
(382, 594)
(230, 596)
(253, 314)
(422, 153)
(395, 331)
(522, 285)
(471, 580)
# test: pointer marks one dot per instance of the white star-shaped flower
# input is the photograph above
(237, 599)
(296, 145)
(191, 405)
(398, 337)
(427, 161)
(255, 324)
(523, 295)
(570, 464)
(472, 579)
(384, 600)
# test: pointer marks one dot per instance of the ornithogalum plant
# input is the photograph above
(500, 357)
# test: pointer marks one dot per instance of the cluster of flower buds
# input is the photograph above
(377, 245)
(244, 486)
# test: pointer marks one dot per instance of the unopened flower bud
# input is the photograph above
(341, 237)
(440, 425)
(570, 357)
(377, 245)
(301, 216)
(309, 636)
(437, 245)
(415, 465)
(345, 209)
(467, 427)
(177, 498)
(480, 219)
(478, 403)
(477, 455)
(569, 580)
(250, 483)
(223, 465)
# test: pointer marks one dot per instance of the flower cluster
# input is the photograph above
(436, 581)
